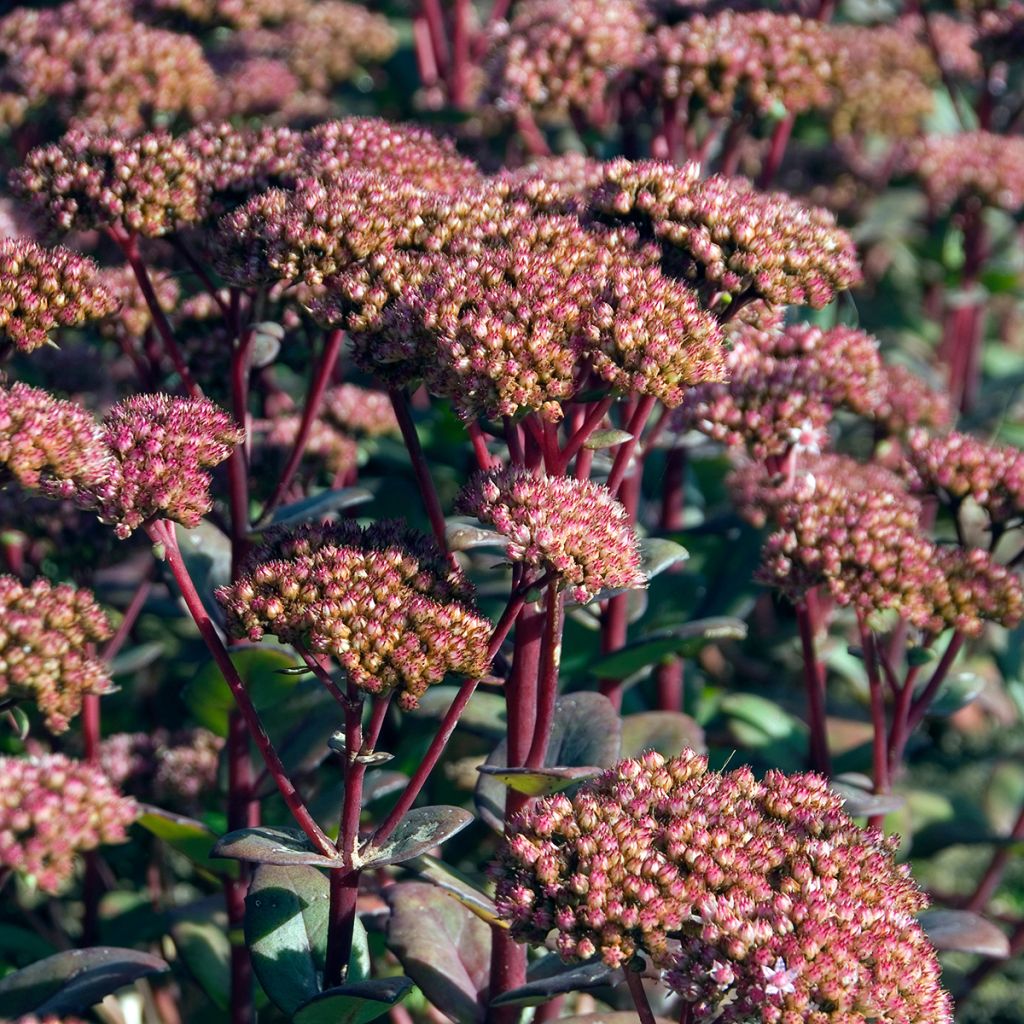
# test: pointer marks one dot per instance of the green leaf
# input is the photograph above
(72, 981)
(136, 658)
(206, 551)
(680, 641)
(556, 979)
(964, 932)
(667, 732)
(286, 921)
(465, 534)
(610, 438)
(319, 506)
(305, 747)
(358, 1003)
(19, 944)
(485, 714)
(442, 946)
(956, 692)
(19, 720)
(272, 845)
(200, 934)
(420, 830)
(539, 781)
(658, 554)
(586, 732)
(186, 835)
(761, 726)
(209, 698)
(455, 884)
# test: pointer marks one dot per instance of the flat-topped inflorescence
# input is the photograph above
(573, 529)
(908, 400)
(971, 167)
(52, 808)
(554, 59)
(147, 185)
(382, 601)
(43, 289)
(49, 444)
(729, 239)
(762, 900)
(45, 637)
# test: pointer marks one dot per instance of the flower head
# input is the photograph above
(574, 529)
(52, 808)
(49, 444)
(148, 185)
(728, 238)
(762, 899)
(43, 289)
(971, 166)
(360, 410)
(380, 600)
(133, 314)
(906, 400)
(45, 631)
(555, 58)
(162, 449)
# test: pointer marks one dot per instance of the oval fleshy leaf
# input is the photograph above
(420, 830)
(358, 1003)
(272, 845)
(456, 885)
(74, 980)
(964, 932)
(539, 781)
(862, 803)
(667, 732)
(200, 934)
(658, 554)
(610, 438)
(186, 835)
(319, 505)
(444, 948)
(463, 534)
(485, 714)
(555, 979)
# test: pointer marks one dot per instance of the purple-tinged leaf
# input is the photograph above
(442, 946)
(667, 732)
(272, 845)
(420, 830)
(964, 932)
(539, 781)
(358, 1003)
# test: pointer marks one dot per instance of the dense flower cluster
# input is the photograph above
(555, 184)
(573, 529)
(45, 633)
(326, 444)
(238, 14)
(907, 400)
(43, 289)
(148, 185)
(381, 600)
(360, 410)
(979, 166)
(782, 387)
(959, 466)
(554, 59)
(162, 449)
(1001, 31)
(723, 234)
(133, 315)
(884, 80)
(52, 808)
(784, 909)
(49, 444)
(841, 527)
(771, 62)
(176, 768)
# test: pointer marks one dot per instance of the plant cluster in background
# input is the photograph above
(511, 511)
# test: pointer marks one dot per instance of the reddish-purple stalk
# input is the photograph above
(477, 438)
(421, 470)
(162, 533)
(776, 152)
(318, 384)
(624, 453)
(92, 884)
(669, 675)
(131, 615)
(547, 691)
(814, 685)
(993, 874)
(460, 68)
(639, 997)
(595, 414)
(129, 246)
(879, 758)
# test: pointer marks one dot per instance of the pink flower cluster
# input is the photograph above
(380, 600)
(573, 529)
(979, 167)
(360, 410)
(45, 637)
(52, 808)
(43, 289)
(761, 899)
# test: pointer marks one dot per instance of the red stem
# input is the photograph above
(993, 875)
(92, 884)
(547, 692)
(161, 532)
(314, 397)
(624, 453)
(448, 723)
(814, 685)
(595, 414)
(639, 996)
(879, 760)
(776, 152)
(479, 441)
(129, 618)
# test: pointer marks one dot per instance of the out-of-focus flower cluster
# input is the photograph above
(52, 808)
(555, 59)
(761, 899)
(171, 768)
(573, 529)
(856, 531)
(381, 600)
(783, 386)
(45, 637)
(728, 238)
(43, 289)
(979, 167)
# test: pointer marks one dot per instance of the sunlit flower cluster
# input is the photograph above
(971, 166)
(52, 808)
(382, 601)
(761, 899)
